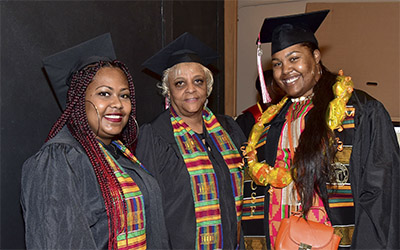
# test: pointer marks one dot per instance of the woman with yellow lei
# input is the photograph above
(326, 150)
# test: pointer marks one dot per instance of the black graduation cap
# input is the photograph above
(60, 66)
(186, 48)
(285, 31)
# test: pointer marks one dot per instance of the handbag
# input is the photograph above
(297, 233)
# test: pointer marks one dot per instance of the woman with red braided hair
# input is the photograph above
(84, 189)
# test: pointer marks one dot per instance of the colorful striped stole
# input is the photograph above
(133, 237)
(253, 209)
(348, 121)
(340, 195)
(203, 179)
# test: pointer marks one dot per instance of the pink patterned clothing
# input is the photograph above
(283, 201)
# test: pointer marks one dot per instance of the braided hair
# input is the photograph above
(74, 116)
(312, 163)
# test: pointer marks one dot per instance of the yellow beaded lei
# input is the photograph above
(279, 177)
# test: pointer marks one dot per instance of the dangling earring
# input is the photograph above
(205, 103)
(98, 117)
(167, 102)
(320, 69)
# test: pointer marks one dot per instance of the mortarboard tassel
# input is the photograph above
(265, 96)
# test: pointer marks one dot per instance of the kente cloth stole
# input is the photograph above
(203, 179)
(282, 201)
(133, 237)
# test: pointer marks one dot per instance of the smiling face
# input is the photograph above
(187, 89)
(109, 94)
(296, 69)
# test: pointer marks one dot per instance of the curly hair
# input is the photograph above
(164, 84)
(74, 117)
(312, 164)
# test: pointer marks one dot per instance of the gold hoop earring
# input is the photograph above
(98, 117)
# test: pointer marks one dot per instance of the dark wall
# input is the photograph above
(31, 30)
(186, 16)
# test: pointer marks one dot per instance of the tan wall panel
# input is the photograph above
(363, 40)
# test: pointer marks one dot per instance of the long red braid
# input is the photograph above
(75, 118)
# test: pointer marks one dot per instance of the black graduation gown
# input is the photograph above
(62, 203)
(158, 150)
(373, 174)
(246, 122)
